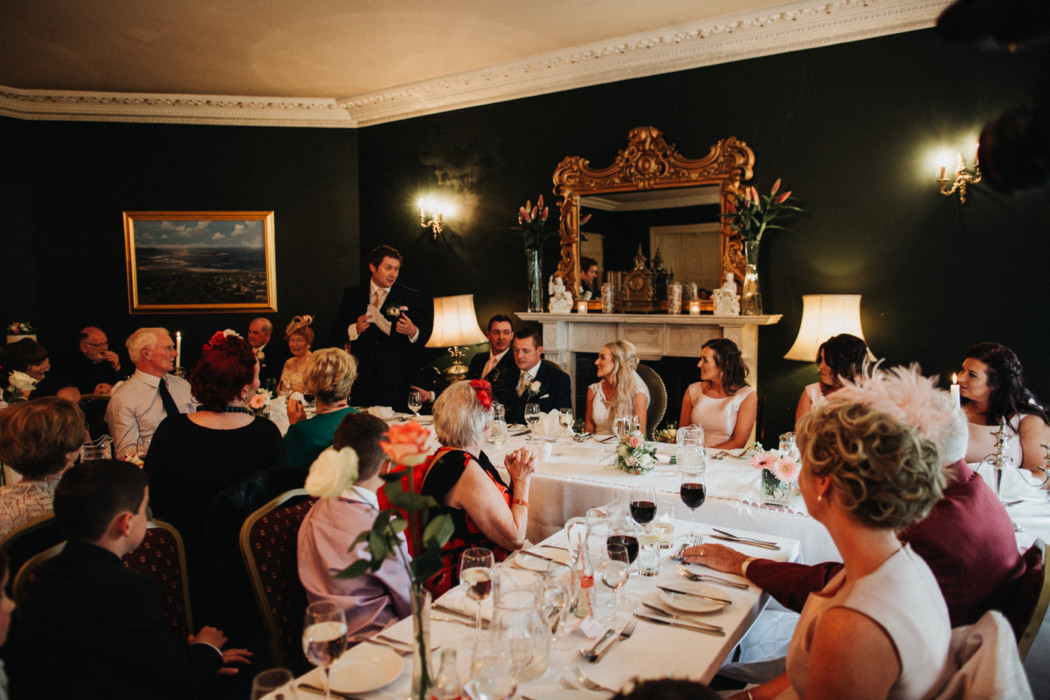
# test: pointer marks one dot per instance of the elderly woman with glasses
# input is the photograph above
(486, 512)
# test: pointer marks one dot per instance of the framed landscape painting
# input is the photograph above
(200, 261)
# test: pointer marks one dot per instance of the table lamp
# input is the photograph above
(824, 316)
(455, 326)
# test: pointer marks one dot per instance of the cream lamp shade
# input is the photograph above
(824, 316)
(455, 322)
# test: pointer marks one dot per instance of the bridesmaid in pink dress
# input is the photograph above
(721, 402)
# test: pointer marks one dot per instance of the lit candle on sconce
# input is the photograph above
(955, 389)
(178, 348)
(694, 307)
(581, 306)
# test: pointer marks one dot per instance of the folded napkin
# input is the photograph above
(384, 412)
(548, 426)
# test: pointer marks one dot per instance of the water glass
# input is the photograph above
(270, 680)
(499, 424)
(492, 669)
(649, 559)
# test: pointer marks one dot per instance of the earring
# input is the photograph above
(820, 497)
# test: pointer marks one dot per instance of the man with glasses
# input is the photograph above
(97, 368)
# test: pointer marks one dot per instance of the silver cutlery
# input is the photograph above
(605, 439)
(587, 653)
(682, 625)
(321, 691)
(401, 649)
(469, 617)
(748, 540)
(541, 556)
(711, 579)
(625, 633)
(667, 613)
(459, 621)
(749, 543)
(587, 683)
(721, 601)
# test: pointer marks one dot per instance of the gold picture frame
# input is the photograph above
(200, 261)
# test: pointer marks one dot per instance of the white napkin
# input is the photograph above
(384, 412)
(548, 426)
(380, 322)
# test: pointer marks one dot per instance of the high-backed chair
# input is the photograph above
(27, 572)
(23, 543)
(1032, 598)
(269, 544)
(162, 557)
(657, 398)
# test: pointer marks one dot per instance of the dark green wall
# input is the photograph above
(850, 128)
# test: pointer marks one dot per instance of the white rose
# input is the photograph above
(535, 387)
(22, 381)
(332, 473)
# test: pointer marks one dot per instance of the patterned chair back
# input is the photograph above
(269, 543)
(1031, 597)
(23, 543)
(657, 398)
(162, 557)
(27, 572)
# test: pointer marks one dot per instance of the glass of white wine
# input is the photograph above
(565, 419)
(475, 573)
(415, 402)
(324, 636)
(532, 416)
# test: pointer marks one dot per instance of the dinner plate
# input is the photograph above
(687, 603)
(524, 561)
(365, 667)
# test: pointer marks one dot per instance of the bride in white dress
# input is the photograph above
(619, 391)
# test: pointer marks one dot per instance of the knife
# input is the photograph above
(459, 621)
(676, 623)
(665, 613)
(744, 539)
(543, 556)
(749, 543)
(320, 691)
(722, 601)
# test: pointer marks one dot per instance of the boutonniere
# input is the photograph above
(534, 389)
(394, 311)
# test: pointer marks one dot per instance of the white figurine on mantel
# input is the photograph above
(727, 301)
(561, 299)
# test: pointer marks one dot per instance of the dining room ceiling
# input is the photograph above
(356, 62)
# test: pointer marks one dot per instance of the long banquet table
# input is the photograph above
(653, 651)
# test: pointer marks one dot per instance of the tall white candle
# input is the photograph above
(955, 390)
(178, 348)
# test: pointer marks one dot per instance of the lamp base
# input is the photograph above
(457, 371)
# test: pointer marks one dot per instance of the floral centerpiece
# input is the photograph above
(532, 225)
(409, 513)
(780, 472)
(634, 455)
(16, 330)
(259, 404)
(751, 215)
(668, 433)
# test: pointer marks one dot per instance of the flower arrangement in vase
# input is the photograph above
(634, 455)
(780, 472)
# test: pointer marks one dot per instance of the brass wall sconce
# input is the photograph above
(432, 215)
(963, 177)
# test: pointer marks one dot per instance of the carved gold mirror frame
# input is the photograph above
(650, 163)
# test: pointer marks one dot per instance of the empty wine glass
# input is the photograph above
(615, 570)
(286, 388)
(693, 492)
(415, 402)
(324, 636)
(475, 573)
(492, 669)
(270, 680)
(142, 447)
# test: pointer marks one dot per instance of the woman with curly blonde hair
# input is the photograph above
(300, 337)
(329, 375)
(880, 628)
(620, 391)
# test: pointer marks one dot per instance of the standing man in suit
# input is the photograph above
(386, 324)
(539, 381)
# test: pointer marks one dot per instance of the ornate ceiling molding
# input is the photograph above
(782, 29)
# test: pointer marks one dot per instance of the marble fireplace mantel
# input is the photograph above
(655, 335)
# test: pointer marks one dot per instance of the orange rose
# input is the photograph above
(406, 444)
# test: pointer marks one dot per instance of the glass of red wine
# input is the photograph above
(643, 504)
(693, 492)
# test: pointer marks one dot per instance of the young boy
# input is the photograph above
(92, 628)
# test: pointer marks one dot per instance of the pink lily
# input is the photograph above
(782, 198)
(754, 194)
(747, 194)
(523, 214)
(544, 214)
(585, 219)
(539, 202)
(776, 186)
(535, 211)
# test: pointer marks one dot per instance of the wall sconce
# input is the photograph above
(824, 316)
(432, 214)
(963, 177)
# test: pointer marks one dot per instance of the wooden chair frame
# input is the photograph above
(1031, 630)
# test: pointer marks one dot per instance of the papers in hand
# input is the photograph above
(548, 426)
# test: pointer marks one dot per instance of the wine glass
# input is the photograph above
(532, 416)
(142, 448)
(565, 419)
(492, 669)
(270, 680)
(615, 570)
(643, 504)
(286, 388)
(324, 636)
(475, 573)
(622, 426)
(693, 492)
(415, 402)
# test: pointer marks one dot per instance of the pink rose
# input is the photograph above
(635, 441)
(406, 444)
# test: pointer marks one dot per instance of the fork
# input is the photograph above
(692, 576)
(625, 633)
(587, 683)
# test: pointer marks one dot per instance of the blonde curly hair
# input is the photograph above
(883, 473)
(330, 374)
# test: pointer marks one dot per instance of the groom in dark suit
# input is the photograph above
(539, 381)
(387, 325)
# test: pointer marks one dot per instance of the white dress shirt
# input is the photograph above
(135, 409)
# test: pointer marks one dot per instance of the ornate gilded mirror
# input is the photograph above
(648, 167)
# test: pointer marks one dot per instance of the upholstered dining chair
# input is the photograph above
(657, 398)
(162, 557)
(23, 543)
(27, 572)
(1031, 598)
(269, 545)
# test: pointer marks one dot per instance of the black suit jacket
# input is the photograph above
(555, 392)
(503, 377)
(92, 628)
(386, 364)
(275, 354)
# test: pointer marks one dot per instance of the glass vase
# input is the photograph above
(422, 669)
(774, 491)
(534, 278)
(750, 296)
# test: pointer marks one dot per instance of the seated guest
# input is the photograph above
(992, 388)
(329, 375)
(7, 606)
(150, 395)
(195, 456)
(495, 366)
(588, 278)
(39, 439)
(538, 381)
(485, 511)
(621, 392)
(92, 628)
(967, 539)
(373, 600)
(95, 370)
(839, 357)
(31, 358)
(721, 402)
(880, 627)
(300, 337)
(271, 357)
